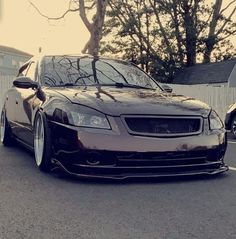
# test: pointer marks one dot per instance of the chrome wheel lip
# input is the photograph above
(234, 127)
(39, 141)
(3, 126)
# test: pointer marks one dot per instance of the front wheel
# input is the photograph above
(233, 126)
(42, 143)
(6, 134)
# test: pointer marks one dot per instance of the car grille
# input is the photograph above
(163, 125)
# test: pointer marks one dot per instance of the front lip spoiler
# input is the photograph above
(206, 172)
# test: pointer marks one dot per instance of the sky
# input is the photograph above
(23, 28)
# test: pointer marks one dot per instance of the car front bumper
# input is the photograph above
(150, 172)
(115, 154)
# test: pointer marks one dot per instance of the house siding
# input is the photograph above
(8, 56)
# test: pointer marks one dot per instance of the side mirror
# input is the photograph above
(167, 88)
(25, 83)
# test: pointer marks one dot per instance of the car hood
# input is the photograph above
(118, 101)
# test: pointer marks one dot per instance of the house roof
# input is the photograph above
(15, 51)
(211, 73)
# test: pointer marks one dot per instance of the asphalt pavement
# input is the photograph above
(36, 205)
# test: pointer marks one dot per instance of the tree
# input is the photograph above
(132, 23)
(94, 26)
(172, 33)
(226, 28)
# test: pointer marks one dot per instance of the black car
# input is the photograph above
(98, 117)
(230, 119)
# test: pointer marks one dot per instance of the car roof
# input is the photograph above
(79, 55)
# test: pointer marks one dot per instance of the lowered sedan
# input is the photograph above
(98, 117)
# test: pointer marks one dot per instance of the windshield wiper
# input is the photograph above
(116, 84)
(69, 84)
(64, 85)
(121, 85)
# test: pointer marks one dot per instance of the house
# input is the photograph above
(213, 73)
(11, 59)
(209, 83)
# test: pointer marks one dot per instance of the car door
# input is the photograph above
(24, 102)
(11, 102)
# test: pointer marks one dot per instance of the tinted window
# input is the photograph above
(89, 71)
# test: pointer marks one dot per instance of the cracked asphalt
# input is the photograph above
(37, 205)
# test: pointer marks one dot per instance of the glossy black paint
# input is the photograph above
(115, 153)
(229, 116)
(25, 83)
(115, 102)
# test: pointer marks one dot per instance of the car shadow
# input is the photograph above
(61, 175)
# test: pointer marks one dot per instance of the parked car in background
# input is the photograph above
(230, 119)
(98, 117)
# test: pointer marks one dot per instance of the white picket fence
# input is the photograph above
(218, 97)
(5, 84)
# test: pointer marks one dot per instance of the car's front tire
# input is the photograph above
(42, 143)
(5, 132)
(233, 126)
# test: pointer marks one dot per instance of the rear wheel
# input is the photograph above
(42, 143)
(233, 126)
(5, 131)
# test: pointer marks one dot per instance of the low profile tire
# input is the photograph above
(233, 126)
(6, 133)
(42, 143)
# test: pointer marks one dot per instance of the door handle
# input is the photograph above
(17, 101)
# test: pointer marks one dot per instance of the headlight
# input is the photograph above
(81, 116)
(215, 121)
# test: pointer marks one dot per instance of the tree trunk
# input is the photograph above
(211, 39)
(177, 32)
(92, 47)
(209, 48)
(94, 28)
(191, 36)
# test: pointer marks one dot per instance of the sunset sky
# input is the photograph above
(23, 28)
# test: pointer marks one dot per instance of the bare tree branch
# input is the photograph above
(203, 25)
(224, 9)
(124, 21)
(228, 35)
(226, 21)
(53, 18)
(84, 16)
(163, 32)
(215, 18)
(86, 47)
(211, 38)
(94, 27)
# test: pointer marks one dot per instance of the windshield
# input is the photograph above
(88, 71)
